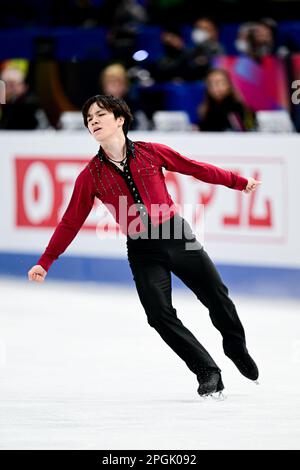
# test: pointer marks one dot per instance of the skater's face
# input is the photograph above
(102, 124)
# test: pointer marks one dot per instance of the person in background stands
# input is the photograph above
(172, 65)
(222, 108)
(127, 18)
(20, 110)
(259, 40)
(241, 42)
(205, 37)
(114, 80)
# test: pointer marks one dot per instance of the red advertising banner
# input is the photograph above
(43, 189)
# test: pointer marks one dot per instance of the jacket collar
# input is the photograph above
(130, 150)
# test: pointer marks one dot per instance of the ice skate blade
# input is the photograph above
(216, 396)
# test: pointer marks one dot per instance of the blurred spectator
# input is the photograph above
(20, 110)
(171, 66)
(114, 81)
(223, 108)
(262, 39)
(241, 43)
(258, 40)
(267, 38)
(129, 15)
(205, 37)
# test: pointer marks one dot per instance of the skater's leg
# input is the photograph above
(153, 283)
(197, 271)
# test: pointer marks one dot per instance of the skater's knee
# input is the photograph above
(152, 321)
(219, 298)
(156, 306)
(154, 317)
(159, 317)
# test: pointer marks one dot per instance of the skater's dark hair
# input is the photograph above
(117, 106)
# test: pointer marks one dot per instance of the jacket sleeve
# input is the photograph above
(79, 207)
(174, 161)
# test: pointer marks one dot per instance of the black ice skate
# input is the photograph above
(245, 364)
(210, 382)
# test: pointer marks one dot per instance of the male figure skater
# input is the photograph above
(127, 177)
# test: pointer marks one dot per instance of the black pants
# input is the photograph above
(151, 262)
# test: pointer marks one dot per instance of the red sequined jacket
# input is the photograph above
(101, 179)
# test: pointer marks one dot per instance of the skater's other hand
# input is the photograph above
(252, 185)
(37, 273)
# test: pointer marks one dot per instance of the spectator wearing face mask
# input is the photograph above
(241, 43)
(223, 109)
(205, 37)
(258, 40)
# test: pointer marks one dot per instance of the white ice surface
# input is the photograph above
(81, 369)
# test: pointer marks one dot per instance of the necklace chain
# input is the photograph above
(121, 162)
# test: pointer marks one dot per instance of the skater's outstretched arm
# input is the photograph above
(174, 161)
(80, 205)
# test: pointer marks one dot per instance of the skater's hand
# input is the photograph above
(252, 185)
(37, 273)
